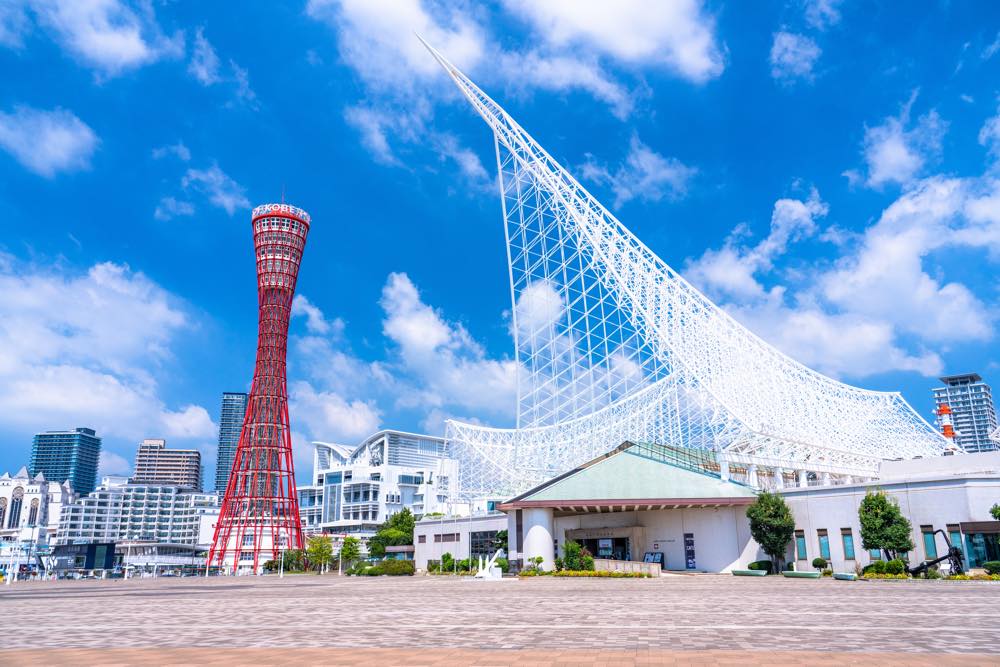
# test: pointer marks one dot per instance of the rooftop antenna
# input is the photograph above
(282, 193)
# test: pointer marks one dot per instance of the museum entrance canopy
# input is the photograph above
(636, 477)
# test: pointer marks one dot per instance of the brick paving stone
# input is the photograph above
(705, 620)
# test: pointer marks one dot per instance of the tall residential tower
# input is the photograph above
(67, 455)
(234, 408)
(155, 464)
(260, 509)
(973, 414)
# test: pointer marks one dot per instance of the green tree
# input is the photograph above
(397, 530)
(350, 550)
(500, 541)
(319, 551)
(995, 511)
(883, 525)
(771, 525)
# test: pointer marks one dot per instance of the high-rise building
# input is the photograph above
(260, 508)
(67, 455)
(234, 408)
(973, 414)
(155, 464)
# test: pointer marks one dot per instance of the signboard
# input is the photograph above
(689, 551)
(604, 547)
(656, 546)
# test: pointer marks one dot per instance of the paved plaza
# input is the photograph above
(308, 619)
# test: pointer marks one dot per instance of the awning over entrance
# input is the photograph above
(628, 479)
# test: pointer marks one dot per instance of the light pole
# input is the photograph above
(16, 560)
(281, 545)
(128, 555)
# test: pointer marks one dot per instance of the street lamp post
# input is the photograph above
(281, 545)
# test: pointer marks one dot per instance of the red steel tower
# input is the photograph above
(260, 509)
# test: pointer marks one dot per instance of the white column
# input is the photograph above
(752, 475)
(826, 479)
(538, 528)
(724, 470)
(779, 478)
(803, 478)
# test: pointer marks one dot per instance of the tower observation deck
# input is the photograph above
(612, 345)
(260, 509)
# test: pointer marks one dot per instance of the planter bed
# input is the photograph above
(801, 575)
(749, 573)
(845, 576)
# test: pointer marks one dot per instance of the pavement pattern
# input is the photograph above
(308, 619)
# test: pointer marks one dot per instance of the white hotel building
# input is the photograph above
(356, 489)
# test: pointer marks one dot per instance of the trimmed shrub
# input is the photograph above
(876, 567)
(559, 564)
(503, 564)
(827, 572)
(761, 565)
(393, 568)
(819, 563)
(895, 566)
(992, 566)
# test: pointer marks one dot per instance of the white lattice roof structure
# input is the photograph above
(615, 345)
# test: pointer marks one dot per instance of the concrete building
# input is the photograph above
(155, 464)
(461, 536)
(67, 455)
(120, 510)
(30, 508)
(672, 506)
(357, 488)
(231, 413)
(951, 493)
(973, 411)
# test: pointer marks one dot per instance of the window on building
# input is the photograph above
(483, 543)
(930, 546)
(800, 545)
(248, 540)
(876, 554)
(847, 537)
(33, 512)
(955, 536)
(421, 539)
(437, 537)
(3, 510)
(15, 508)
(824, 543)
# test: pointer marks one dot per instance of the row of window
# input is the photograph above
(441, 537)
(847, 542)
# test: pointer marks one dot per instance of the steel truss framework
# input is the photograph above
(260, 508)
(614, 345)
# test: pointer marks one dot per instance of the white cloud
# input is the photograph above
(316, 323)
(563, 73)
(112, 464)
(191, 421)
(47, 142)
(895, 154)
(989, 136)
(922, 220)
(220, 189)
(446, 365)
(732, 269)
(884, 304)
(645, 175)
(244, 92)
(178, 150)
(822, 14)
(204, 65)
(108, 35)
(170, 208)
(14, 24)
(377, 39)
(330, 416)
(85, 349)
(679, 35)
(991, 49)
(793, 57)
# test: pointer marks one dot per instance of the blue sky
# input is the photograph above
(826, 170)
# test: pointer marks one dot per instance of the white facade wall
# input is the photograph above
(29, 513)
(936, 503)
(428, 534)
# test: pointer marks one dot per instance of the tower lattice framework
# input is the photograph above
(260, 508)
(612, 344)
